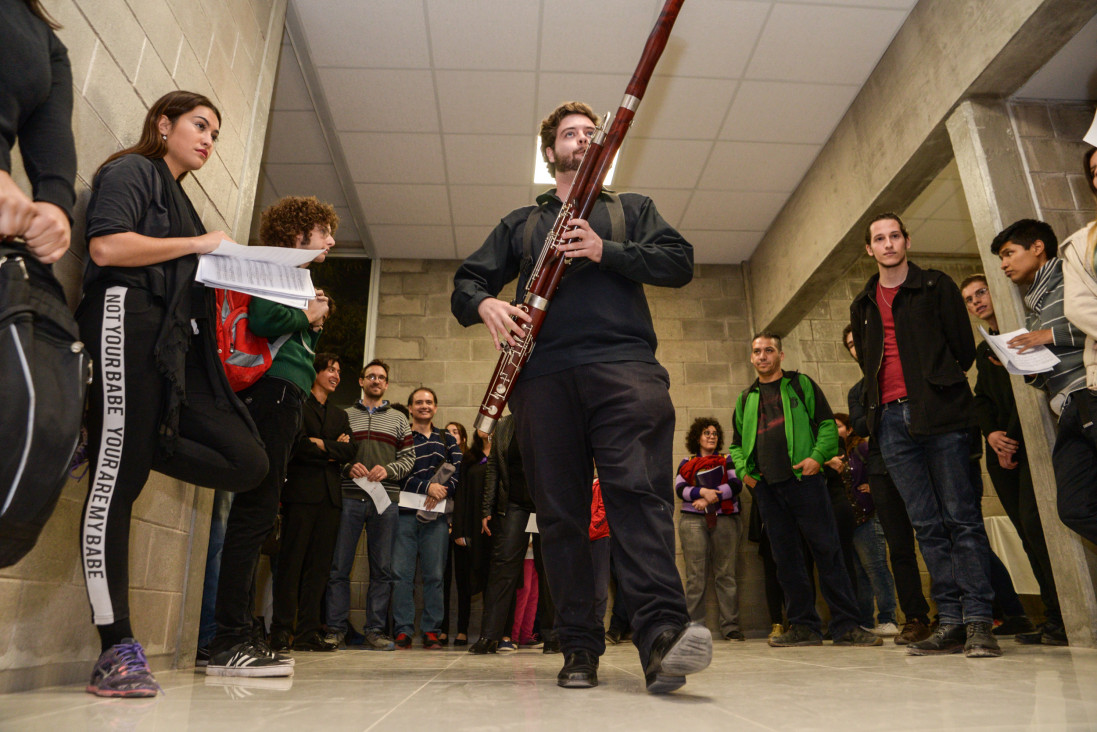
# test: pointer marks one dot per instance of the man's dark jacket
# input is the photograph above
(936, 347)
(314, 473)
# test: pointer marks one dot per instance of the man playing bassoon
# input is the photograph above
(591, 393)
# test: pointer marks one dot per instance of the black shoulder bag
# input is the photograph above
(44, 376)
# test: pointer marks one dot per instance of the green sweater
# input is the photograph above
(292, 340)
(819, 443)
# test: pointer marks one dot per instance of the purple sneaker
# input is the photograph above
(123, 671)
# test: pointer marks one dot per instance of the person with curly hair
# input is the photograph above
(275, 402)
(710, 525)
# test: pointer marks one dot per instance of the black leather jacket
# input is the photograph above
(936, 347)
(497, 476)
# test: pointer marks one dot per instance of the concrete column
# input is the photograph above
(998, 193)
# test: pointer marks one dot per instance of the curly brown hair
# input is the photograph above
(550, 123)
(693, 437)
(291, 216)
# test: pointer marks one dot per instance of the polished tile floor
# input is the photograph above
(748, 687)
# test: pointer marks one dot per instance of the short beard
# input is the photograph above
(568, 163)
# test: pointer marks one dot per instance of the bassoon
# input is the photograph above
(550, 266)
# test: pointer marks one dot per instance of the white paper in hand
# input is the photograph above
(283, 256)
(418, 501)
(375, 491)
(1091, 136)
(1035, 360)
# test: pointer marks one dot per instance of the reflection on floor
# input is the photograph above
(748, 687)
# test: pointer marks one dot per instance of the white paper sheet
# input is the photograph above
(418, 501)
(376, 491)
(531, 525)
(1091, 136)
(288, 285)
(1035, 360)
(283, 256)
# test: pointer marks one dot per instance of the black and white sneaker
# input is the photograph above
(264, 647)
(247, 659)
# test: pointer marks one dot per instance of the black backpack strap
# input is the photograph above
(526, 267)
(798, 388)
(617, 230)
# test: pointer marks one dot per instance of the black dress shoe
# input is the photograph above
(675, 653)
(483, 646)
(281, 640)
(551, 646)
(460, 642)
(948, 638)
(580, 671)
(314, 642)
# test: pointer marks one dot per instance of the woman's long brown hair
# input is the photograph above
(36, 8)
(172, 105)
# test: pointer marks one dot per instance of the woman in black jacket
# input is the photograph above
(470, 544)
(160, 400)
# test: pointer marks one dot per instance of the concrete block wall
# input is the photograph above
(1050, 136)
(125, 54)
(703, 333)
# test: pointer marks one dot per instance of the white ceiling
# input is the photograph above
(416, 118)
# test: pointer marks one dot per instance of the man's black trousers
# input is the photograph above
(619, 416)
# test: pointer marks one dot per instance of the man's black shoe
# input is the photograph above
(580, 671)
(281, 640)
(551, 646)
(483, 646)
(945, 639)
(314, 642)
(1013, 625)
(675, 653)
(981, 642)
(1050, 634)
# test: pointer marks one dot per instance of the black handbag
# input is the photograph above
(44, 374)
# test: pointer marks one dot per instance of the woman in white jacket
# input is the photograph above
(1075, 454)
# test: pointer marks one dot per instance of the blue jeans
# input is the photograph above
(794, 508)
(427, 542)
(931, 473)
(873, 575)
(380, 537)
(207, 625)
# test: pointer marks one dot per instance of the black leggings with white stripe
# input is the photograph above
(215, 447)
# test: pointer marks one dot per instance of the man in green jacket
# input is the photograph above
(783, 433)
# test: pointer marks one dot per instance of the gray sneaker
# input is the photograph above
(378, 641)
(796, 635)
(858, 637)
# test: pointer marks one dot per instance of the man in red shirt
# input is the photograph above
(914, 343)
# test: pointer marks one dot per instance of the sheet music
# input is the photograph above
(290, 286)
(375, 491)
(419, 501)
(1036, 360)
(283, 256)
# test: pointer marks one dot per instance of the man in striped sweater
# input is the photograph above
(1028, 251)
(385, 455)
(423, 534)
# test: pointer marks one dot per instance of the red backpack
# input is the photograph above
(244, 355)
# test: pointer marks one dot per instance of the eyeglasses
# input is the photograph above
(375, 377)
(981, 292)
(709, 433)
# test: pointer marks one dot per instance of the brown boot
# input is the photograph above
(913, 632)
